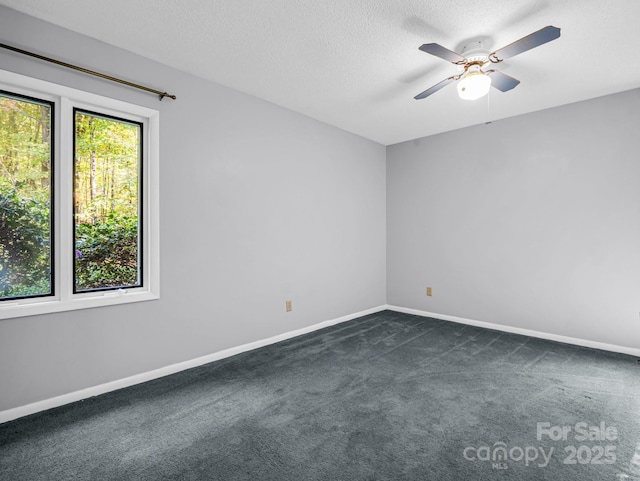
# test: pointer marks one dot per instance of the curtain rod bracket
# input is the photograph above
(87, 71)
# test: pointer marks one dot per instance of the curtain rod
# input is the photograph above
(87, 71)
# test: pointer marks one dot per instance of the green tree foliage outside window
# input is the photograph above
(107, 202)
(25, 198)
(107, 171)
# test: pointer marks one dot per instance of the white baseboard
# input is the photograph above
(525, 332)
(15, 413)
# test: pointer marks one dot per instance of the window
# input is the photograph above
(107, 162)
(26, 197)
(78, 199)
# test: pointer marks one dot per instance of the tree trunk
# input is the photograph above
(93, 188)
(45, 130)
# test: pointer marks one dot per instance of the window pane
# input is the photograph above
(26, 264)
(107, 206)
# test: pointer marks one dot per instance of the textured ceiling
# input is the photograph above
(355, 64)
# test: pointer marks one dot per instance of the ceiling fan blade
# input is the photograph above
(444, 53)
(532, 40)
(436, 87)
(502, 81)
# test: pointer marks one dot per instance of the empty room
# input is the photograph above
(296, 240)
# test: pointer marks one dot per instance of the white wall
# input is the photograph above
(258, 205)
(531, 222)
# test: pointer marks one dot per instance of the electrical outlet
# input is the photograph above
(429, 291)
(288, 306)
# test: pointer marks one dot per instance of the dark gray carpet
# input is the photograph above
(385, 397)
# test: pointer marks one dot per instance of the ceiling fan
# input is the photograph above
(475, 81)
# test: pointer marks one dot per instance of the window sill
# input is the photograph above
(21, 308)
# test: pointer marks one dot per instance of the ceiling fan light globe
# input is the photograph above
(474, 85)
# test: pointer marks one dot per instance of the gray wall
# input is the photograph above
(531, 222)
(258, 205)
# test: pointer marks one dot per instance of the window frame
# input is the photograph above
(65, 101)
(52, 189)
(141, 202)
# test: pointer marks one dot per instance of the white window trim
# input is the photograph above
(65, 99)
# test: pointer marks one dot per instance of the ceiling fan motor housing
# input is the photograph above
(475, 48)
